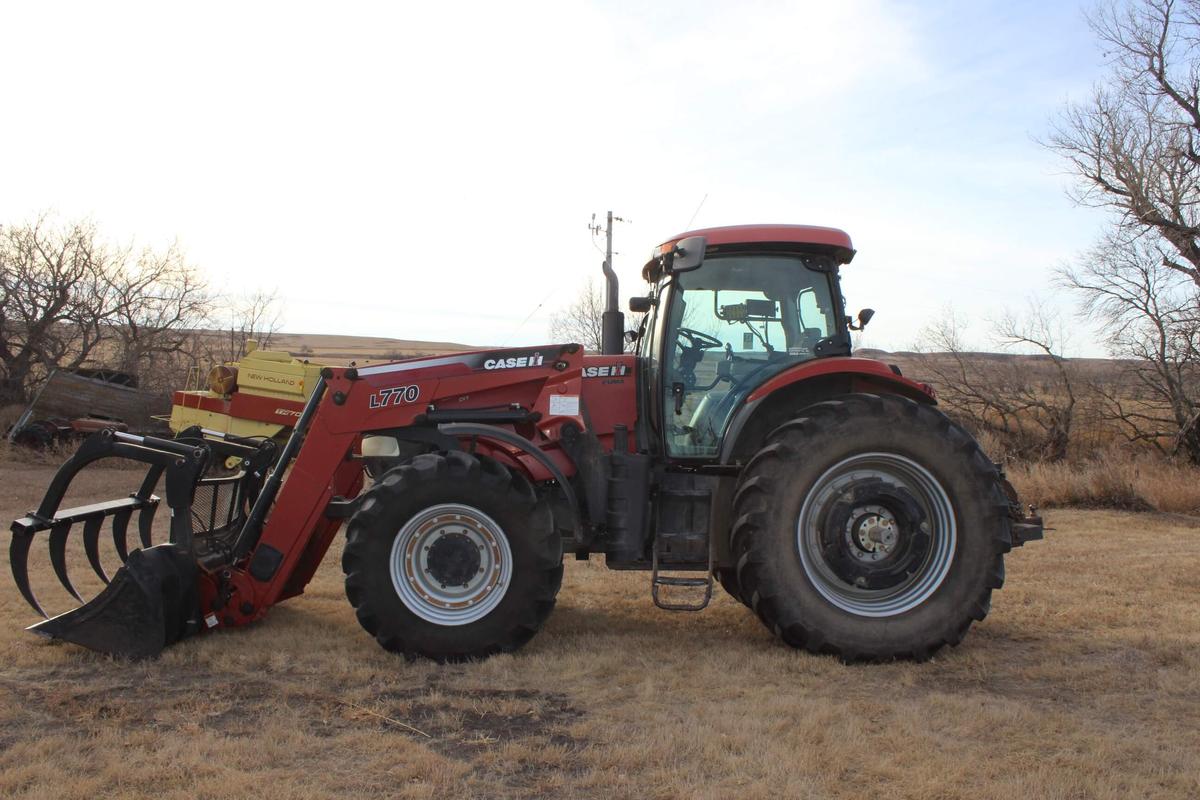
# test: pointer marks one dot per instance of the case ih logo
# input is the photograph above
(395, 396)
(609, 371)
(534, 360)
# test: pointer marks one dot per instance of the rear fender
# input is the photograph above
(781, 396)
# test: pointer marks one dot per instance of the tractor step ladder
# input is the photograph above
(679, 550)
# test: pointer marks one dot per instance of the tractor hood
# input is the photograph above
(480, 360)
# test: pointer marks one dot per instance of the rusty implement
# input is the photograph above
(151, 600)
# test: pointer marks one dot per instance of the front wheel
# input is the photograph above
(452, 557)
(871, 528)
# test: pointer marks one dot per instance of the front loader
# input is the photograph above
(740, 443)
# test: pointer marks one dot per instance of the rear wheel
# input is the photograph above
(452, 557)
(871, 528)
(727, 577)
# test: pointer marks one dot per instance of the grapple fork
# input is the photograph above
(152, 599)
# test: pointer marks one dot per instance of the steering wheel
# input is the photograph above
(699, 341)
(694, 344)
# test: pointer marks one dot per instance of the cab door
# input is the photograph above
(651, 352)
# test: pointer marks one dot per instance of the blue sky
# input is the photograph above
(428, 170)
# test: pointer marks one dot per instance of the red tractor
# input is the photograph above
(741, 442)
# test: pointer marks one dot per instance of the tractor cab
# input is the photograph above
(730, 308)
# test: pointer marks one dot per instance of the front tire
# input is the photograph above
(451, 557)
(870, 527)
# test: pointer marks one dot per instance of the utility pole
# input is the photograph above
(608, 241)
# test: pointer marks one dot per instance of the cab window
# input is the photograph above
(733, 323)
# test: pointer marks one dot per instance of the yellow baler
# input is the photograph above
(261, 395)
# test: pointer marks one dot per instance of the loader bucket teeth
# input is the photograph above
(58, 556)
(91, 545)
(146, 524)
(18, 558)
(120, 532)
(151, 602)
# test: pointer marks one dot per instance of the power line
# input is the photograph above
(688, 227)
(528, 317)
(596, 229)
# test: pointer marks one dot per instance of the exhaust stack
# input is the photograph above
(612, 321)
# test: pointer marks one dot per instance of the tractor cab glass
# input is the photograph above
(730, 325)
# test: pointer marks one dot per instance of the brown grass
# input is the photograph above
(1110, 476)
(1118, 481)
(1081, 683)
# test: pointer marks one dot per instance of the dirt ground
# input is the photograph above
(1084, 682)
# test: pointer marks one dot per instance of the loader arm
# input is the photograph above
(307, 512)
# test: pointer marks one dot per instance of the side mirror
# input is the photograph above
(632, 336)
(640, 305)
(864, 317)
(687, 255)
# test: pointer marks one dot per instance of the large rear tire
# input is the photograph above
(727, 577)
(451, 557)
(870, 528)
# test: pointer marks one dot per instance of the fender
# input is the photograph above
(520, 442)
(866, 370)
(850, 374)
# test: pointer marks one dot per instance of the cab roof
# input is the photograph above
(832, 239)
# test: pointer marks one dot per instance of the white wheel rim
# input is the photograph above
(941, 527)
(424, 591)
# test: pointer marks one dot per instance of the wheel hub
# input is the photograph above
(872, 533)
(453, 559)
(451, 564)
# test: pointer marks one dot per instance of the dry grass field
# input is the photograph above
(1084, 682)
(1118, 481)
(339, 349)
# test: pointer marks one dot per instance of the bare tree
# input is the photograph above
(256, 316)
(55, 300)
(69, 299)
(1152, 315)
(581, 321)
(1030, 402)
(157, 302)
(251, 316)
(1133, 144)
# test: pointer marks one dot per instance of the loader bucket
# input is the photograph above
(153, 599)
(150, 603)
